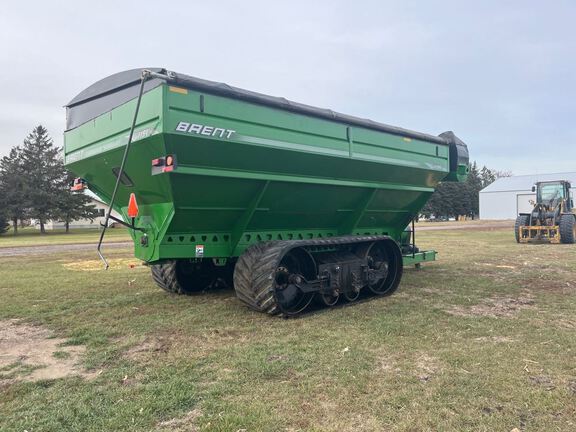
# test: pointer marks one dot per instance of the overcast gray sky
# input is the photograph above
(500, 74)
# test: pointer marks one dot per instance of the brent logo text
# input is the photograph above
(199, 129)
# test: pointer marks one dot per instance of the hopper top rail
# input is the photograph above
(123, 86)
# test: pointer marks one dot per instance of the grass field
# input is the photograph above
(482, 340)
(32, 237)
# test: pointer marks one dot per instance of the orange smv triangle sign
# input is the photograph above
(132, 206)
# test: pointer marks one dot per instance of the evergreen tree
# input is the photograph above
(458, 199)
(35, 184)
(45, 173)
(13, 187)
(449, 200)
(487, 176)
(475, 184)
(3, 223)
(73, 205)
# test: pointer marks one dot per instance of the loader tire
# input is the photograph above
(521, 220)
(185, 277)
(567, 229)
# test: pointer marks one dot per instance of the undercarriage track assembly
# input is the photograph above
(283, 277)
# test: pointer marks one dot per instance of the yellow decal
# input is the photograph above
(178, 90)
(407, 139)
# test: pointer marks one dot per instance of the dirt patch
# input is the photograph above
(148, 347)
(498, 307)
(492, 410)
(389, 365)
(543, 282)
(30, 353)
(181, 342)
(182, 424)
(433, 291)
(565, 323)
(96, 265)
(427, 366)
(543, 381)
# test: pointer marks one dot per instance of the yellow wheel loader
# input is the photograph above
(553, 219)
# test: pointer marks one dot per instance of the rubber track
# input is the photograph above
(567, 229)
(255, 269)
(164, 275)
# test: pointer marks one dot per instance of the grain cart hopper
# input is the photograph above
(553, 219)
(291, 202)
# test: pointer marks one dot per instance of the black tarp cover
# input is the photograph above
(113, 91)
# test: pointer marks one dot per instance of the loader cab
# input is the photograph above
(553, 193)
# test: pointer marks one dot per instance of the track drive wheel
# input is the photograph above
(521, 220)
(266, 278)
(186, 277)
(567, 227)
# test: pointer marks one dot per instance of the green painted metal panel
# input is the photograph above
(420, 257)
(248, 173)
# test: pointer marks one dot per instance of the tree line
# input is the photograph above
(452, 199)
(34, 184)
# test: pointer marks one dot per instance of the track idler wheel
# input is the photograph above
(385, 257)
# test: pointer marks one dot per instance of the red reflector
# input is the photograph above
(169, 160)
(132, 206)
(79, 184)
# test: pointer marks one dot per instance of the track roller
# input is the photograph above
(328, 298)
(351, 295)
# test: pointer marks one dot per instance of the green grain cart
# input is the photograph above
(290, 203)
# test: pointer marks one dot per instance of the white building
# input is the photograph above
(102, 208)
(508, 196)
